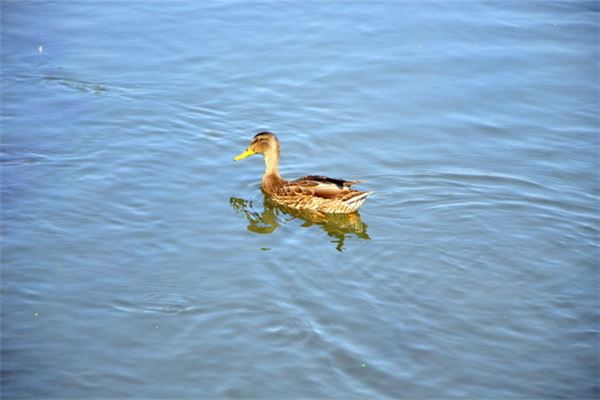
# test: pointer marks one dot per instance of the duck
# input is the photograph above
(316, 193)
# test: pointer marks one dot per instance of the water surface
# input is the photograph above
(140, 261)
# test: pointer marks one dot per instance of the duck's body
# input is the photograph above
(315, 193)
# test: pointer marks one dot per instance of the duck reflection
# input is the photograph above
(337, 226)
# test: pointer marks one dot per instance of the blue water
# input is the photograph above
(139, 261)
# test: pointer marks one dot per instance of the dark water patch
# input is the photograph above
(88, 87)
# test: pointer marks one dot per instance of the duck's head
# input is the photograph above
(265, 143)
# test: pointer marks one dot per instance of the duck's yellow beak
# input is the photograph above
(245, 154)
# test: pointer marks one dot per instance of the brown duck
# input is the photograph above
(312, 192)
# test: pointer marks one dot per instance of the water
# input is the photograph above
(140, 261)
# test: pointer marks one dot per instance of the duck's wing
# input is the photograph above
(320, 186)
(341, 183)
(322, 194)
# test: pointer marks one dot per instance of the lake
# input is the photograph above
(139, 261)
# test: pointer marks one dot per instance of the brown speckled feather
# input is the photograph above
(323, 195)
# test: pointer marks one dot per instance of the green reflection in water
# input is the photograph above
(337, 226)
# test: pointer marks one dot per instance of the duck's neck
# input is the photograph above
(271, 176)
(272, 162)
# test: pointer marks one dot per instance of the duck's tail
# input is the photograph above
(356, 201)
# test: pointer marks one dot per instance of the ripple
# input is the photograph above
(481, 178)
(158, 303)
(286, 326)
